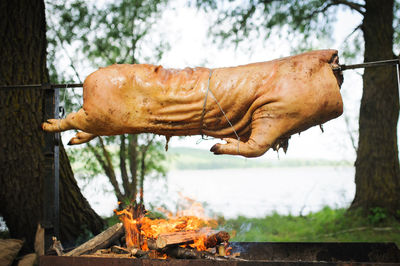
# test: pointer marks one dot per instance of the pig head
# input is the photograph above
(253, 107)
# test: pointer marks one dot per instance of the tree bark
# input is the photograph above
(377, 166)
(23, 61)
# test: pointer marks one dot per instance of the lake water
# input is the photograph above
(252, 192)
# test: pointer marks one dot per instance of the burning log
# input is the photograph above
(173, 238)
(212, 239)
(102, 240)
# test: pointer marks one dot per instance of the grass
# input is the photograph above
(327, 225)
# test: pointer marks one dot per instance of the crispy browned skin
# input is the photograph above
(266, 102)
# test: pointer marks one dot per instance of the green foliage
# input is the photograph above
(325, 225)
(377, 215)
(85, 236)
(91, 34)
(4, 233)
(108, 33)
(110, 221)
(83, 162)
(396, 26)
(304, 23)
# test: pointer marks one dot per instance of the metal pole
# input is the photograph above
(57, 141)
(41, 86)
(398, 78)
(50, 220)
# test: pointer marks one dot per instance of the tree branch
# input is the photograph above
(122, 165)
(348, 129)
(133, 153)
(355, 6)
(144, 150)
(355, 29)
(107, 167)
(321, 10)
(60, 41)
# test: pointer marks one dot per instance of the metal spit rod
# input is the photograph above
(43, 86)
(80, 85)
(370, 64)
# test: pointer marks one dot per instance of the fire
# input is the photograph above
(139, 228)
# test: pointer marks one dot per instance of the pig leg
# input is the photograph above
(264, 132)
(72, 121)
(81, 137)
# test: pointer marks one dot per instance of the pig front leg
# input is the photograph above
(263, 136)
(72, 121)
(81, 137)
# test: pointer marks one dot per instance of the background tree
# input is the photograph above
(116, 32)
(377, 165)
(23, 61)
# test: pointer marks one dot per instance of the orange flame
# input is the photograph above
(191, 219)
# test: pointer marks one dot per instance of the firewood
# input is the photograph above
(39, 240)
(216, 238)
(119, 250)
(107, 255)
(57, 246)
(174, 238)
(102, 240)
(138, 253)
(186, 253)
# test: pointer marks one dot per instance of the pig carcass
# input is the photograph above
(264, 102)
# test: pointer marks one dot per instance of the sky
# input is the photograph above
(191, 45)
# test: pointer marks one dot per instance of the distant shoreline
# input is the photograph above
(182, 158)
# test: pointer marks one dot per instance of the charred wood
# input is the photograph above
(132, 251)
(187, 253)
(119, 250)
(216, 238)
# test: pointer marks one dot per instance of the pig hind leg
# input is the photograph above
(76, 120)
(264, 132)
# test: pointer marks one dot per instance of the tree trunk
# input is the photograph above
(377, 166)
(76, 216)
(23, 61)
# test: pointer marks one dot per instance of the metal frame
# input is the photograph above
(51, 208)
(51, 199)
